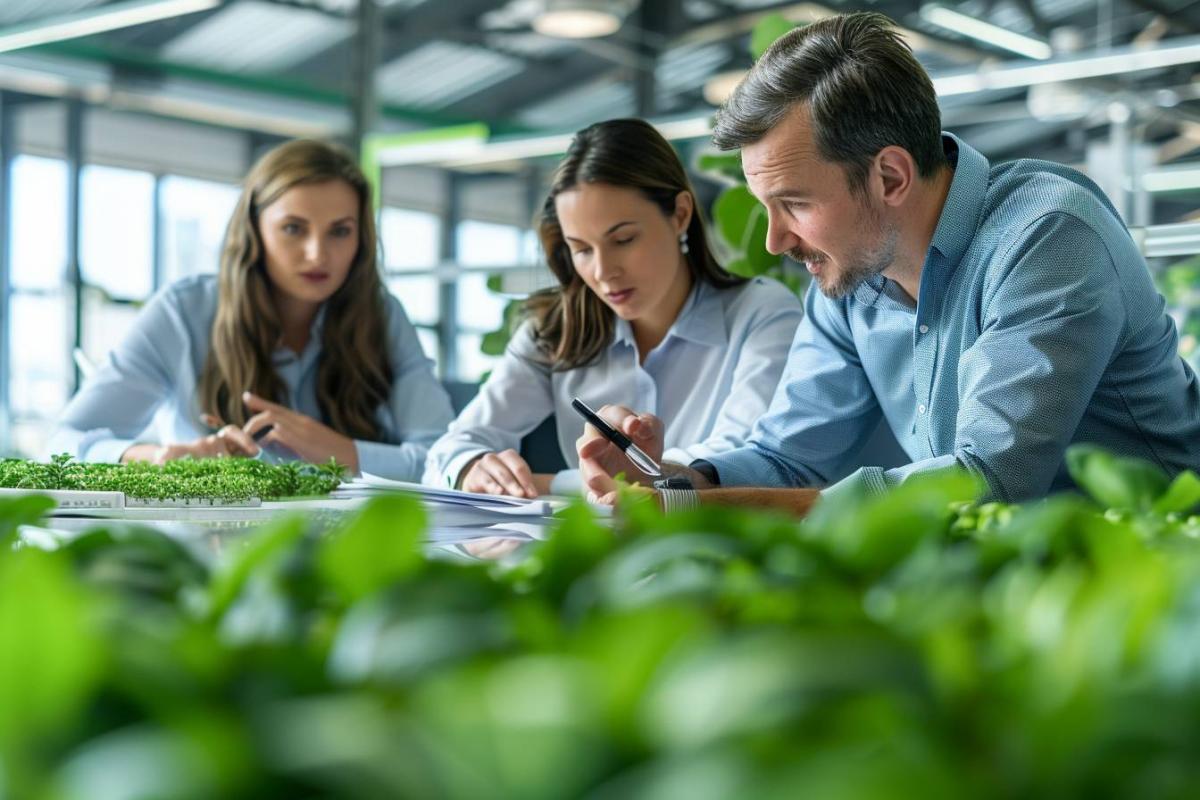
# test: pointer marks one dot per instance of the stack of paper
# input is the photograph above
(462, 515)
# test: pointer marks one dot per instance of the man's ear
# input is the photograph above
(685, 206)
(895, 174)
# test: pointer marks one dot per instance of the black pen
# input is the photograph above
(639, 458)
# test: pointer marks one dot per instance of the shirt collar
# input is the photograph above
(701, 320)
(960, 216)
(283, 355)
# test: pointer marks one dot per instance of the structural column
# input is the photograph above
(7, 141)
(364, 106)
(74, 267)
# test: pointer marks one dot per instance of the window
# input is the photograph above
(411, 243)
(39, 223)
(116, 253)
(195, 214)
(410, 240)
(117, 231)
(39, 326)
(483, 248)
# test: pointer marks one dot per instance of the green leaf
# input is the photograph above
(726, 165)
(742, 222)
(379, 547)
(1122, 483)
(1181, 496)
(766, 32)
(270, 544)
(17, 511)
(50, 653)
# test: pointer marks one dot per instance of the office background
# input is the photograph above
(125, 126)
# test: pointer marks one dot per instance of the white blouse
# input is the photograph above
(709, 380)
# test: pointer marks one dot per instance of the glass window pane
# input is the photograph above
(104, 325)
(486, 244)
(419, 296)
(117, 231)
(411, 239)
(39, 222)
(479, 308)
(472, 363)
(195, 214)
(429, 343)
(41, 371)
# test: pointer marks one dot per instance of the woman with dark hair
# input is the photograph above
(295, 341)
(642, 313)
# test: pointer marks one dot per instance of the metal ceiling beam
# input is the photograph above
(149, 65)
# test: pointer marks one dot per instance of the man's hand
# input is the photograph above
(306, 437)
(600, 460)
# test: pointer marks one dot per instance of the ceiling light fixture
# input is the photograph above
(97, 20)
(985, 32)
(1119, 60)
(581, 19)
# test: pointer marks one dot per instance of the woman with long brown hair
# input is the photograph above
(294, 348)
(643, 315)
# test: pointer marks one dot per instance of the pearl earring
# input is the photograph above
(683, 245)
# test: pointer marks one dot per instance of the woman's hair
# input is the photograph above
(571, 324)
(354, 375)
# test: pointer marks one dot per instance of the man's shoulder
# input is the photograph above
(1024, 191)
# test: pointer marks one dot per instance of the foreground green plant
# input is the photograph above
(915, 644)
(225, 479)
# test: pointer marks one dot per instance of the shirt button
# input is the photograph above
(924, 329)
(921, 408)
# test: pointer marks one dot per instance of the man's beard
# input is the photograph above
(860, 266)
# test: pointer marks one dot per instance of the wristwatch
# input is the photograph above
(677, 493)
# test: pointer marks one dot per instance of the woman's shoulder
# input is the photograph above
(759, 295)
(192, 293)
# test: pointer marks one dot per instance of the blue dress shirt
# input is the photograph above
(1037, 326)
(146, 388)
(709, 379)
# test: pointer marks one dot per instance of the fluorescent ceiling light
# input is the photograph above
(1173, 52)
(985, 32)
(580, 19)
(97, 20)
(1172, 179)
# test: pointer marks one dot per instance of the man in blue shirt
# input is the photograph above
(992, 314)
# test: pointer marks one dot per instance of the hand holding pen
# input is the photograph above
(618, 440)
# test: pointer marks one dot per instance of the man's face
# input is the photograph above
(842, 237)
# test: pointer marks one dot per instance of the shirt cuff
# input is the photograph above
(448, 479)
(567, 482)
(864, 482)
(744, 466)
(396, 462)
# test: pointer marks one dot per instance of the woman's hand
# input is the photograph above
(306, 437)
(230, 440)
(499, 473)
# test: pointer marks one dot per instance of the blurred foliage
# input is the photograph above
(913, 643)
(739, 219)
(1180, 285)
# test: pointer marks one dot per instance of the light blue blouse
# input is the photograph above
(146, 388)
(709, 380)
